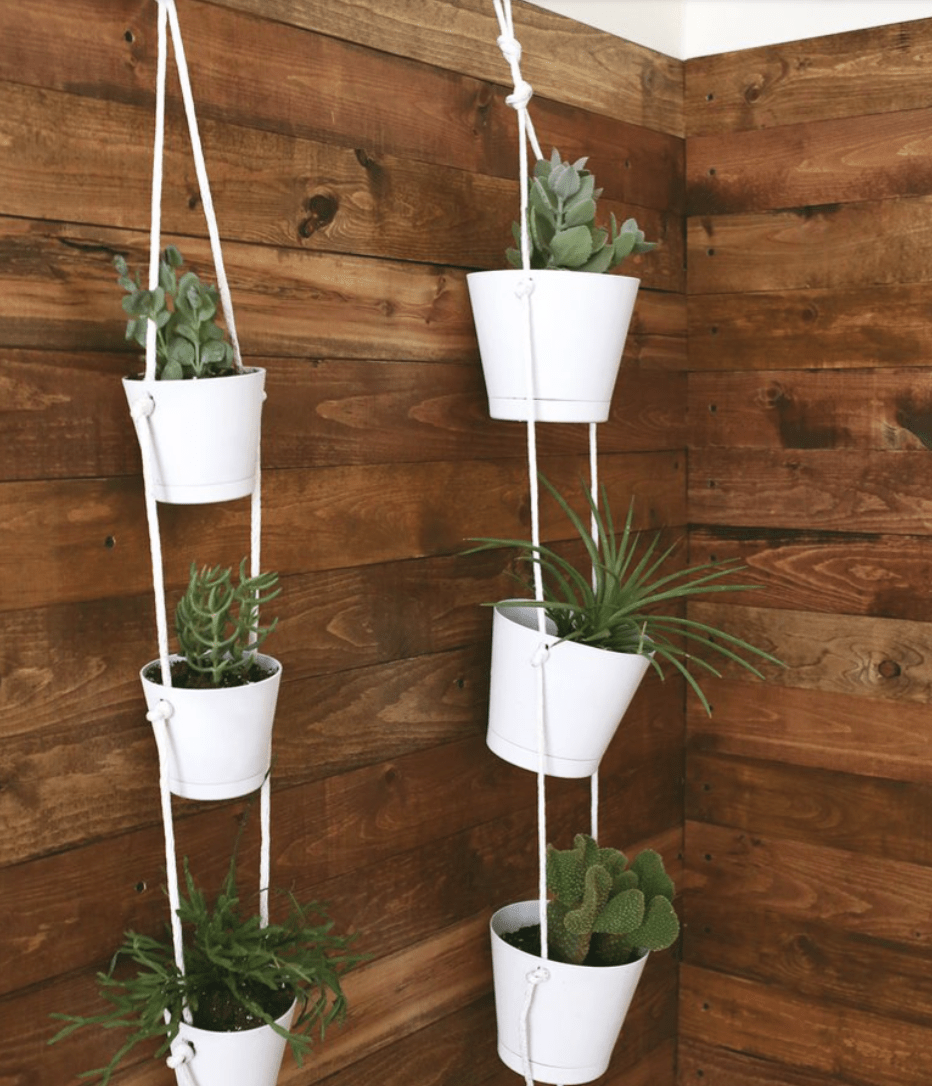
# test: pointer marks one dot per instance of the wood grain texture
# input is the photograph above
(840, 328)
(772, 1024)
(698, 1063)
(860, 158)
(815, 727)
(879, 70)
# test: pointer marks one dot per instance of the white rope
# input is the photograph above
(158, 151)
(594, 528)
(535, 977)
(202, 180)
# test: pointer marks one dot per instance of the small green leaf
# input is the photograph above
(572, 248)
(579, 214)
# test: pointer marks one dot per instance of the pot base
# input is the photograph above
(515, 410)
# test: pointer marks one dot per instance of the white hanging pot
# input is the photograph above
(579, 323)
(220, 739)
(205, 435)
(575, 1015)
(586, 693)
(250, 1057)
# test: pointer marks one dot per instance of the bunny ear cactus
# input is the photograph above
(561, 222)
(603, 910)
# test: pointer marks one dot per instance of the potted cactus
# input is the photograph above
(579, 316)
(250, 989)
(203, 408)
(221, 704)
(604, 918)
(604, 630)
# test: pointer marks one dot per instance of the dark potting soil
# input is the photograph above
(528, 940)
(186, 678)
(218, 1011)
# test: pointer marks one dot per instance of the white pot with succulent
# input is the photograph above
(204, 409)
(606, 631)
(221, 704)
(579, 317)
(252, 989)
(604, 918)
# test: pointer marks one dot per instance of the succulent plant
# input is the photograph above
(561, 222)
(217, 621)
(189, 343)
(604, 912)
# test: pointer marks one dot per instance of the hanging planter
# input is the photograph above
(220, 739)
(202, 408)
(603, 919)
(576, 1015)
(577, 318)
(579, 323)
(586, 693)
(251, 985)
(220, 707)
(251, 1057)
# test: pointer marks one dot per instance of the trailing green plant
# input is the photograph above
(561, 222)
(238, 975)
(605, 912)
(189, 343)
(613, 605)
(217, 621)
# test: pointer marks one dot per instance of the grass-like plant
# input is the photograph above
(238, 975)
(217, 621)
(189, 343)
(616, 604)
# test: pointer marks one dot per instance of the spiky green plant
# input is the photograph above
(561, 222)
(231, 961)
(217, 621)
(189, 343)
(614, 604)
(604, 912)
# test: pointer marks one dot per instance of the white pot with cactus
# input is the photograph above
(221, 704)
(579, 317)
(606, 626)
(203, 408)
(603, 919)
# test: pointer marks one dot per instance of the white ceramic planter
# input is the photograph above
(205, 435)
(579, 326)
(575, 1016)
(251, 1057)
(586, 693)
(219, 741)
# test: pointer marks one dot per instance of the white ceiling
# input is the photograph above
(695, 28)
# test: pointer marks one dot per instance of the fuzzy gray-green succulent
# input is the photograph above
(561, 222)
(604, 912)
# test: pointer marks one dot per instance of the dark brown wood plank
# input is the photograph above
(65, 415)
(811, 959)
(54, 535)
(793, 489)
(774, 1025)
(804, 165)
(816, 727)
(801, 409)
(890, 819)
(831, 246)
(835, 328)
(273, 189)
(879, 70)
(699, 1063)
(884, 899)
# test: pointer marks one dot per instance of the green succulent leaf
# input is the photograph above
(579, 214)
(571, 248)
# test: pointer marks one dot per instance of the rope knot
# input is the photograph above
(541, 655)
(162, 711)
(521, 95)
(524, 288)
(538, 976)
(142, 408)
(181, 1052)
(510, 47)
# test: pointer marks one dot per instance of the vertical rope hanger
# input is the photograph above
(181, 1052)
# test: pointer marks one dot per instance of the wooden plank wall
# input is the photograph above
(362, 161)
(808, 948)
